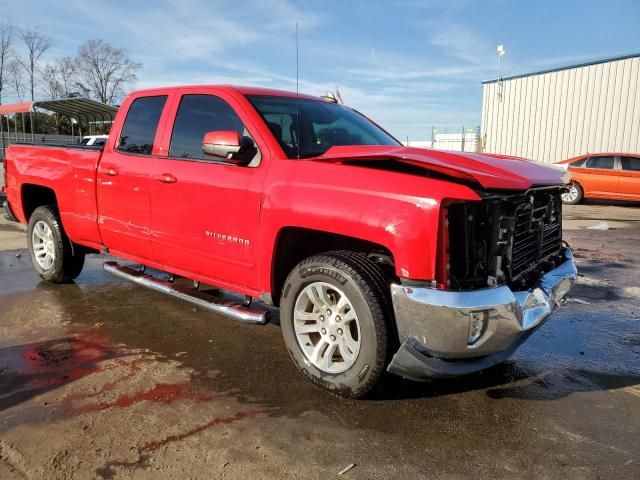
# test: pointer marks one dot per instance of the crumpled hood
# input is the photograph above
(490, 171)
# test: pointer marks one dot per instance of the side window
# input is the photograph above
(630, 163)
(579, 163)
(197, 115)
(140, 126)
(600, 162)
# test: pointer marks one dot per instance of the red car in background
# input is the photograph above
(611, 176)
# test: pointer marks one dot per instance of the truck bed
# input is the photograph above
(71, 169)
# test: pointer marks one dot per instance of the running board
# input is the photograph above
(222, 306)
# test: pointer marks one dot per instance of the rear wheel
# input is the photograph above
(50, 249)
(574, 195)
(335, 312)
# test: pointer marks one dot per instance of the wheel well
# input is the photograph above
(584, 193)
(294, 244)
(34, 196)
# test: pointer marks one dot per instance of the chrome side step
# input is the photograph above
(222, 306)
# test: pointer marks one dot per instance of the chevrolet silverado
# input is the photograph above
(380, 257)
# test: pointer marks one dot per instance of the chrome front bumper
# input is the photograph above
(434, 325)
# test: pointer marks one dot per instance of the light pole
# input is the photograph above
(500, 51)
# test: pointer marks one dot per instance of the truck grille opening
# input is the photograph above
(510, 239)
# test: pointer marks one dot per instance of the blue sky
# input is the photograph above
(408, 64)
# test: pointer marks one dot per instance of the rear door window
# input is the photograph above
(600, 162)
(579, 163)
(630, 163)
(140, 126)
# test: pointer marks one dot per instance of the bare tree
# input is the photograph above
(36, 44)
(66, 73)
(16, 79)
(6, 52)
(103, 71)
(50, 79)
(57, 78)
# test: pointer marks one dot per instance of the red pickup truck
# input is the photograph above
(380, 257)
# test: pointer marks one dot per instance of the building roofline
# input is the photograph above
(559, 69)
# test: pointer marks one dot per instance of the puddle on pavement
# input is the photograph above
(581, 351)
(595, 292)
(30, 369)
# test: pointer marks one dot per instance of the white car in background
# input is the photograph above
(94, 140)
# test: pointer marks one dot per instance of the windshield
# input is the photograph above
(320, 125)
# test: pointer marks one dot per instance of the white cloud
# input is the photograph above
(461, 42)
(251, 42)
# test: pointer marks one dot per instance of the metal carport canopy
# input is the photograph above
(74, 107)
(11, 108)
(79, 108)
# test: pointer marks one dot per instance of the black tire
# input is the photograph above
(363, 283)
(579, 197)
(66, 265)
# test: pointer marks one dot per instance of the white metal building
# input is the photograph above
(564, 112)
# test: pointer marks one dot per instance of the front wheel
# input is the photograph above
(335, 317)
(50, 249)
(574, 195)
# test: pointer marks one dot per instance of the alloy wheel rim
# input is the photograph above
(326, 327)
(43, 245)
(571, 195)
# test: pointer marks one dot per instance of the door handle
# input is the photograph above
(112, 172)
(166, 178)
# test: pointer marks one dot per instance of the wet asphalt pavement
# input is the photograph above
(104, 379)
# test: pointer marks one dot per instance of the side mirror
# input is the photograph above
(223, 143)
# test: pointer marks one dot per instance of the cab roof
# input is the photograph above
(244, 90)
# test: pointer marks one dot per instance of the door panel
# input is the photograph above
(124, 180)
(629, 186)
(206, 219)
(124, 217)
(598, 176)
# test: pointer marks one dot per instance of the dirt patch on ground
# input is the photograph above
(103, 379)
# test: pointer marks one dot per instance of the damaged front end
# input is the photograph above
(509, 239)
(506, 271)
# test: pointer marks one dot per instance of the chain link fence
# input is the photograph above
(463, 139)
(7, 139)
